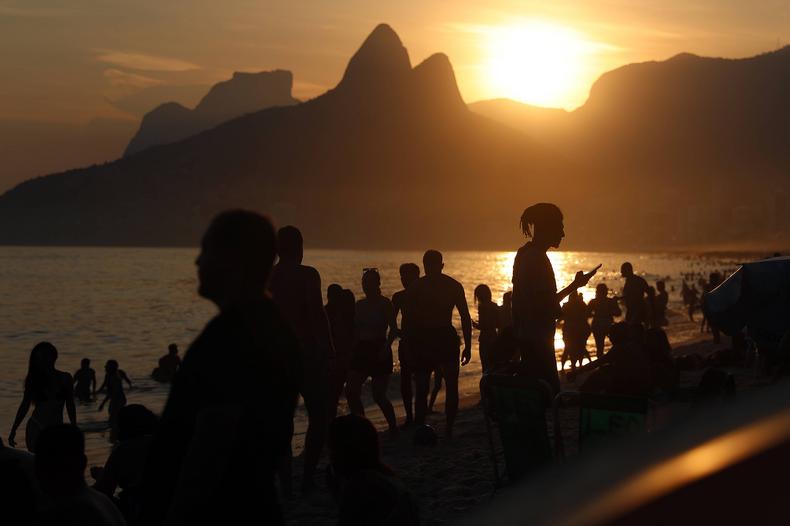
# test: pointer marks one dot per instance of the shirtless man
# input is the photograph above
(433, 341)
(296, 290)
(634, 292)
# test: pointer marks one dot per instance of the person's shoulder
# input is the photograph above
(66, 377)
(398, 296)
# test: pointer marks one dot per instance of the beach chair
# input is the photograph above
(602, 417)
(515, 407)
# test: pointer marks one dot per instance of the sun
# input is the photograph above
(537, 63)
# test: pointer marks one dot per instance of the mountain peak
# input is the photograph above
(381, 59)
(435, 79)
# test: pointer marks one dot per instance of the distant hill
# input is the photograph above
(691, 151)
(244, 93)
(686, 153)
(391, 157)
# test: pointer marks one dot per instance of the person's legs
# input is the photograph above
(354, 382)
(406, 391)
(315, 394)
(437, 386)
(379, 385)
(600, 342)
(421, 383)
(450, 370)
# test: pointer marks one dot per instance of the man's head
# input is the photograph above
(432, 262)
(290, 245)
(543, 222)
(601, 291)
(409, 273)
(626, 270)
(60, 459)
(236, 257)
(85, 363)
(661, 286)
(172, 349)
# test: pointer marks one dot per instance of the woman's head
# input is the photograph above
(601, 290)
(354, 445)
(543, 222)
(40, 367)
(371, 282)
(482, 294)
(334, 293)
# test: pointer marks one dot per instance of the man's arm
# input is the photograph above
(319, 323)
(466, 324)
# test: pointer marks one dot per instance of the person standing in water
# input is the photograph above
(434, 342)
(339, 308)
(113, 385)
(409, 273)
(634, 292)
(536, 302)
(487, 323)
(575, 331)
(229, 417)
(85, 382)
(372, 354)
(168, 365)
(662, 300)
(296, 290)
(48, 390)
(603, 310)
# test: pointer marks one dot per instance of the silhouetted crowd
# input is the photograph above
(225, 435)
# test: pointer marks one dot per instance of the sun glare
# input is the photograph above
(536, 63)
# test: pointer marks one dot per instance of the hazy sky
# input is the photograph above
(73, 60)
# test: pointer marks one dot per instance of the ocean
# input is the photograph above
(128, 304)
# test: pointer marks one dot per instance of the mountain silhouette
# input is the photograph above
(390, 157)
(244, 93)
(691, 151)
(685, 153)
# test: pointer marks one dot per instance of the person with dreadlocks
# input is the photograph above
(536, 302)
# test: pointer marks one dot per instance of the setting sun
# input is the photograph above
(537, 63)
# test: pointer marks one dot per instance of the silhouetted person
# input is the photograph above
(603, 310)
(18, 495)
(660, 306)
(60, 468)
(296, 289)
(113, 385)
(367, 491)
(409, 273)
(85, 382)
(434, 343)
(229, 417)
(48, 390)
(536, 302)
(693, 301)
(487, 323)
(625, 369)
(124, 466)
(168, 365)
(506, 311)
(634, 292)
(339, 308)
(575, 330)
(664, 373)
(375, 329)
(714, 280)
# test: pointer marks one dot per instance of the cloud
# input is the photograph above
(143, 62)
(116, 77)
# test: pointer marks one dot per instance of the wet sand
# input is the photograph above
(450, 479)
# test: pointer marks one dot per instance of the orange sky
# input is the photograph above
(73, 61)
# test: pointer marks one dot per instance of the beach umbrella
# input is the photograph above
(756, 297)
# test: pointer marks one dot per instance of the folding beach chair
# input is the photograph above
(516, 408)
(602, 417)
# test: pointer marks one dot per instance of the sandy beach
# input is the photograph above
(456, 476)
